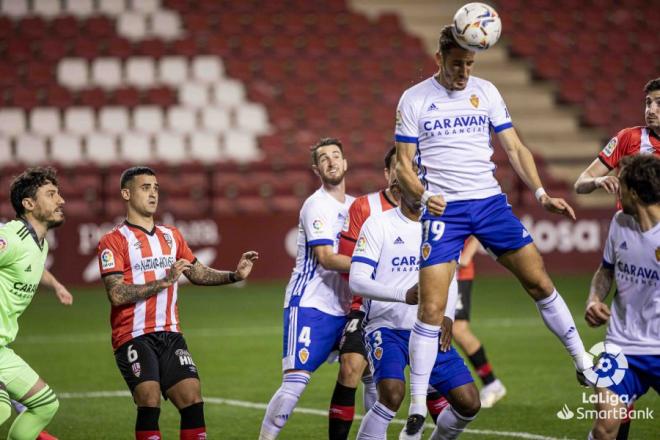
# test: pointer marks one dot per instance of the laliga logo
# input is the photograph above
(610, 368)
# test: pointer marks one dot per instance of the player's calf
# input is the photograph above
(281, 405)
(5, 405)
(41, 408)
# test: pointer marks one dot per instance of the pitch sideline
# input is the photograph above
(310, 411)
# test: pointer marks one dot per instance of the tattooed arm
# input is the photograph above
(597, 312)
(202, 275)
(120, 293)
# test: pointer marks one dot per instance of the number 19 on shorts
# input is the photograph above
(432, 230)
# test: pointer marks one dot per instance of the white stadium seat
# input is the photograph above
(228, 93)
(31, 149)
(15, 9)
(79, 120)
(79, 8)
(46, 8)
(106, 72)
(252, 118)
(215, 119)
(141, 72)
(66, 149)
(112, 8)
(73, 73)
(171, 147)
(101, 148)
(207, 69)
(135, 148)
(146, 6)
(113, 120)
(173, 71)
(166, 25)
(5, 151)
(132, 25)
(12, 121)
(194, 95)
(148, 119)
(45, 121)
(240, 147)
(181, 120)
(205, 147)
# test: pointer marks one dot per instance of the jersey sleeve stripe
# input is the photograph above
(609, 167)
(406, 139)
(116, 272)
(320, 242)
(365, 260)
(346, 237)
(607, 264)
(502, 127)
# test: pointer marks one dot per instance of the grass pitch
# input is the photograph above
(235, 337)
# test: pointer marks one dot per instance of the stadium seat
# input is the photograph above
(140, 72)
(252, 118)
(46, 8)
(12, 121)
(228, 93)
(6, 155)
(31, 149)
(146, 7)
(171, 148)
(94, 98)
(135, 148)
(194, 95)
(101, 149)
(215, 119)
(79, 120)
(66, 149)
(148, 119)
(125, 97)
(106, 73)
(161, 96)
(79, 8)
(112, 8)
(181, 119)
(166, 25)
(16, 9)
(205, 147)
(73, 73)
(240, 147)
(113, 120)
(207, 69)
(132, 25)
(45, 121)
(172, 70)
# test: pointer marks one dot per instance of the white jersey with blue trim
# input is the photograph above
(634, 256)
(322, 218)
(452, 133)
(389, 242)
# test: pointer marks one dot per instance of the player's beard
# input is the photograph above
(334, 181)
(50, 220)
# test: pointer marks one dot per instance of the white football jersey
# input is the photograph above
(452, 133)
(390, 243)
(635, 257)
(322, 218)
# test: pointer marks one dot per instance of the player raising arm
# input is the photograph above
(443, 125)
(629, 141)
(140, 263)
(631, 260)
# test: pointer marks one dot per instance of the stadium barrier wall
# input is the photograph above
(568, 247)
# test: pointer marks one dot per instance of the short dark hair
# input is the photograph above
(447, 42)
(132, 172)
(652, 86)
(388, 157)
(324, 142)
(28, 183)
(641, 173)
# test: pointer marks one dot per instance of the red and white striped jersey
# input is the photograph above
(143, 256)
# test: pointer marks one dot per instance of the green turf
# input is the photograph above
(235, 337)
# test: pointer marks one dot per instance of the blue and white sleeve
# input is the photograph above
(609, 254)
(315, 220)
(500, 119)
(407, 125)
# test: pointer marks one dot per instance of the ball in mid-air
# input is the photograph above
(477, 26)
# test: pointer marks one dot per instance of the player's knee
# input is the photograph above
(350, 371)
(392, 397)
(470, 407)
(605, 429)
(148, 400)
(431, 312)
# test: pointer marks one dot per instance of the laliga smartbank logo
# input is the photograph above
(610, 367)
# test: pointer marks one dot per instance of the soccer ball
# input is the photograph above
(477, 26)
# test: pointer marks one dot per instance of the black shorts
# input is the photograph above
(464, 300)
(159, 356)
(352, 338)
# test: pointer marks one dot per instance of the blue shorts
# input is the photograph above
(491, 220)
(643, 373)
(387, 352)
(309, 337)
